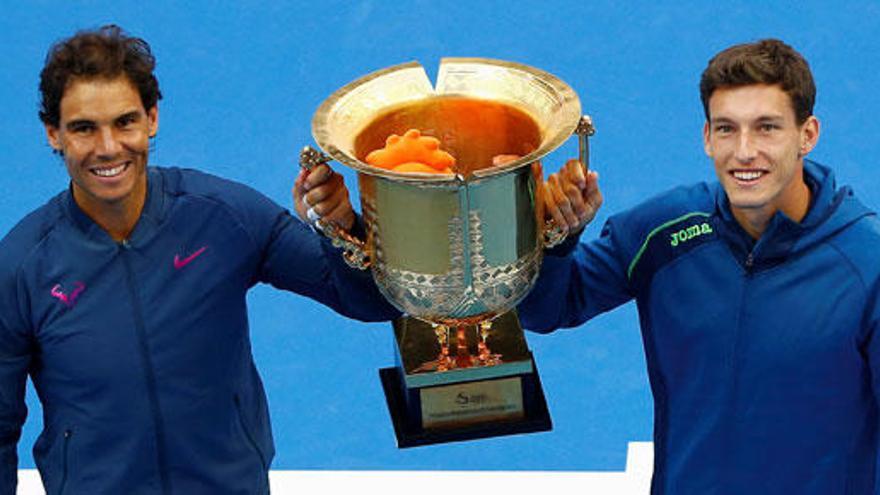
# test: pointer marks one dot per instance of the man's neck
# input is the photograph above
(117, 219)
(755, 220)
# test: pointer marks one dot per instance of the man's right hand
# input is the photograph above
(322, 192)
(572, 198)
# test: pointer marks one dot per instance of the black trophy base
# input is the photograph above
(404, 405)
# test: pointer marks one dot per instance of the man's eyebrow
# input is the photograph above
(73, 124)
(720, 120)
(760, 118)
(134, 115)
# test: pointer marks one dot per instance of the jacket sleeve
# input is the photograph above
(303, 261)
(872, 347)
(872, 352)
(293, 257)
(578, 281)
(15, 358)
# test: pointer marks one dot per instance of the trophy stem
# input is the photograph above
(443, 359)
(463, 358)
(483, 352)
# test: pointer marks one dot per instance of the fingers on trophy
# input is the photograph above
(572, 197)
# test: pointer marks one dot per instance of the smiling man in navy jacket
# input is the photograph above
(758, 296)
(124, 296)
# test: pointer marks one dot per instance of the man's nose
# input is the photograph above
(746, 151)
(108, 143)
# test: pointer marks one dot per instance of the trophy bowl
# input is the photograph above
(453, 250)
(462, 247)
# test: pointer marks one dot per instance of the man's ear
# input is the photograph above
(706, 146)
(153, 120)
(53, 136)
(809, 135)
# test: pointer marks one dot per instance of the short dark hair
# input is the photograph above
(106, 52)
(768, 61)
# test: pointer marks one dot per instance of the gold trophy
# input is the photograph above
(454, 251)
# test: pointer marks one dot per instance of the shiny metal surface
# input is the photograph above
(449, 253)
(464, 247)
(584, 130)
(348, 112)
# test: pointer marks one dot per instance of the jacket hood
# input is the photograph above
(831, 210)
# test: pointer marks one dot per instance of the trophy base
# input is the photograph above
(410, 432)
(428, 407)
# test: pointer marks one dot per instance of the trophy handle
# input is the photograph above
(584, 130)
(354, 250)
(553, 234)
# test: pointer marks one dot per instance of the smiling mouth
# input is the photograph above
(111, 171)
(748, 175)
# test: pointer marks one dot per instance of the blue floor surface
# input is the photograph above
(241, 85)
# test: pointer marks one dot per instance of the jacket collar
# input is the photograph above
(151, 216)
(782, 233)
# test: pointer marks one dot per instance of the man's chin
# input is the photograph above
(744, 198)
(746, 202)
(110, 198)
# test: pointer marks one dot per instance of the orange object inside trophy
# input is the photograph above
(462, 134)
(412, 152)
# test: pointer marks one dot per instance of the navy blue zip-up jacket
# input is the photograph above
(763, 358)
(140, 351)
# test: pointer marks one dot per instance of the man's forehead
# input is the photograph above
(751, 102)
(99, 99)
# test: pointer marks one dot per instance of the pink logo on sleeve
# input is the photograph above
(180, 263)
(68, 299)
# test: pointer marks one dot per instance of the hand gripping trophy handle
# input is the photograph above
(354, 250)
(553, 233)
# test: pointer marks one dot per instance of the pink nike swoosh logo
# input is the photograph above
(180, 263)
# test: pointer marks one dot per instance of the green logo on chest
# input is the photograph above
(689, 233)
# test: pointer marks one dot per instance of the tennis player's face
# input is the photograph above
(758, 147)
(103, 135)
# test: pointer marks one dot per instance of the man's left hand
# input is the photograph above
(572, 196)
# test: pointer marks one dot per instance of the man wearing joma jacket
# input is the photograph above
(758, 295)
(123, 297)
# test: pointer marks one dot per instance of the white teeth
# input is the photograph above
(109, 172)
(747, 175)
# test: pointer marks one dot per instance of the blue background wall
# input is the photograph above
(241, 81)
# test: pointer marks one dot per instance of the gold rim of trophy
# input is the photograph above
(548, 100)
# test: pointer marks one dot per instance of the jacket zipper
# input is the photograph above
(67, 435)
(737, 337)
(247, 433)
(149, 372)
